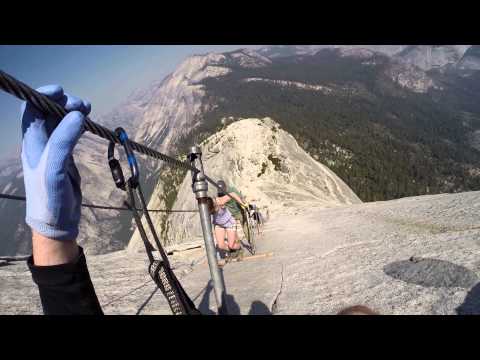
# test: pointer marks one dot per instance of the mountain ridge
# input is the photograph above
(269, 168)
(175, 112)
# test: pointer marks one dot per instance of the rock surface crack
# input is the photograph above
(274, 306)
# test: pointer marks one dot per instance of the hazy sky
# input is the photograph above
(104, 75)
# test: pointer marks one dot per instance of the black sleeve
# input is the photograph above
(66, 289)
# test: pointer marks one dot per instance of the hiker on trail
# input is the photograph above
(233, 200)
(53, 203)
(255, 213)
(224, 224)
(259, 218)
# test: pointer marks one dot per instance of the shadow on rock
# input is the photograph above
(145, 303)
(204, 306)
(259, 308)
(232, 306)
(431, 273)
(471, 304)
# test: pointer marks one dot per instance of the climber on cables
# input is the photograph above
(233, 200)
(53, 202)
(224, 224)
(255, 214)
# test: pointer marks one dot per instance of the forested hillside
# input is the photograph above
(383, 140)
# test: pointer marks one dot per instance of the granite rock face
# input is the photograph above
(158, 116)
(170, 110)
(267, 165)
(415, 255)
(427, 57)
(471, 59)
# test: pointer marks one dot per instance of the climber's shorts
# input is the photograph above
(229, 227)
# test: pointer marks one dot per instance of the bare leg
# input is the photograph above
(232, 237)
(220, 237)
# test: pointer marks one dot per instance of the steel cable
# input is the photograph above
(22, 91)
(102, 207)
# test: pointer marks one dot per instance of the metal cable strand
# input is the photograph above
(43, 103)
(12, 197)
(219, 188)
(22, 198)
(15, 87)
(212, 182)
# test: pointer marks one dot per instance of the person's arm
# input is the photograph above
(64, 288)
(53, 193)
(222, 200)
(47, 252)
(216, 205)
(238, 199)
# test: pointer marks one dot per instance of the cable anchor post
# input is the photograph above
(200, 189)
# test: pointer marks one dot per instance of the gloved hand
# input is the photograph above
(52, 181)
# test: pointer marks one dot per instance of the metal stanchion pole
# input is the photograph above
(200, 189)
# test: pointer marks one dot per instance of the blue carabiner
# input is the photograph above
(132, 160)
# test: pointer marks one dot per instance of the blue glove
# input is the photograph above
(52, 181)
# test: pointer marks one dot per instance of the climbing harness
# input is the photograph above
(159, 269)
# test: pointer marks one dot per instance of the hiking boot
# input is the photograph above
(232, 254)
(236, 254)
(222, 254)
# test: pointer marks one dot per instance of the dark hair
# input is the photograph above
(210, 204)
(357, 310)
(222, 186)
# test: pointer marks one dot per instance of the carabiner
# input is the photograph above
(115, 167)
(132, 160)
